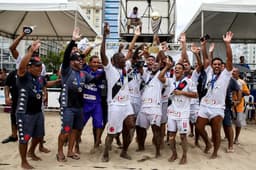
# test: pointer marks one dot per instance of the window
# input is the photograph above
(88, 11)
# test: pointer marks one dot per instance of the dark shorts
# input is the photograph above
(30, 125)
(227, 121)
(72, 118)
(104, 106)
(94, 110)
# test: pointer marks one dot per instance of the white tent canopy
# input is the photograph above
(53, 21)
(215, 19)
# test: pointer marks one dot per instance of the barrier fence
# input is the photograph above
(52, 103)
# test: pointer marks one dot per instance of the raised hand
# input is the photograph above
(76, 34)
(228, 37)
(182, 38)
(137, 31)
(35, 45)
(168, 63)
(195, 49)
(212, 46)
(106, 29)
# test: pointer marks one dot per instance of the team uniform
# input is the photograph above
(30, 119)
(134, 78)
(92, 99)
(151, 107)
(213, 103)
(71, 96)
(178, 112)
(119, 106)
(194, 104)
(166, 91)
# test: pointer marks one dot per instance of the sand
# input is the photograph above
(244, 157)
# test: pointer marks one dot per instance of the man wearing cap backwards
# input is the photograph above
(30, 119)
(73, 81)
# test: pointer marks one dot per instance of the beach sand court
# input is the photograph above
(244, 157)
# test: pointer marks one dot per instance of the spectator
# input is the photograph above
(3, 76)
(133, 19)
(242, 62)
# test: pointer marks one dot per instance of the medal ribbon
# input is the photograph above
(37, 83)
(214, 79)
(78, 79)
(176, 87)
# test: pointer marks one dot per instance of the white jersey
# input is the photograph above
(180, 107)
(115, 78)
(151, 95)
(217, 88)
(194, 78)
(134, 79)
(167, 90)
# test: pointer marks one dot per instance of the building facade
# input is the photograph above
(93, 11)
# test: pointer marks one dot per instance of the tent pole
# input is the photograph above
(75, 19)
(202, 23)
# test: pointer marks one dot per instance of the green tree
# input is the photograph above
(53, 60)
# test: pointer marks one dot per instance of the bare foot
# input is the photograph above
(125, 155)
(77, 149)
(214, 156)
(197, 144)
(34, 157)
(236, 142)
(44, 150)
(26, 165)
(183, 160)
(95, 149)
(61, 158)
(157, 155)
(105, 158)
(207, 148)
(173, 158)
(140, 149)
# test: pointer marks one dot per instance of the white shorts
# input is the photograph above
(240, 120)
(164, 117)
(136, 107)
(145, 120)
(116, 116)
(182, 125)
(209, 113)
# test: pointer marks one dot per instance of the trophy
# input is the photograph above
(155, 22)
(28, 29)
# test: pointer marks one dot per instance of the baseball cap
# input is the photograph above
(76, 56)
(35, 60)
